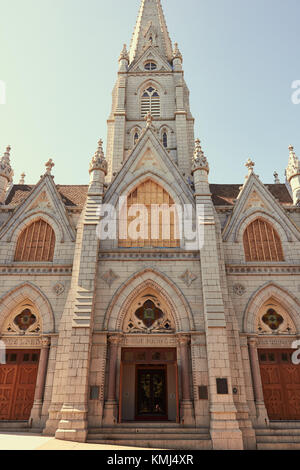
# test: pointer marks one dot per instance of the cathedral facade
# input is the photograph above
(151, 340)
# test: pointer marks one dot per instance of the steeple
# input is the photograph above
(151, 30)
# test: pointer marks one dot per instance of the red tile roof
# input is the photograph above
(75, 196)
(72, 196)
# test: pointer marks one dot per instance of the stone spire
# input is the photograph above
(98, 170)
(151, 30)
(6, 174)
(200, 161)
(123, 59)
(293, 175)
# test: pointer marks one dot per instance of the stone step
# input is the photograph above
(149, 430)
(283, 438)
(278, 446)
(176, 443)
(284, 424)
(14, 425)
(147, 435)
(278, 432)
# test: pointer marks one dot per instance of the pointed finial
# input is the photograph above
(176, 52)
(98, 161)
(124, 53)
(276, 179)
(5, 167)
(22, 178)
(199, 161)
(250, 165)
(293, 168)
(49, 165)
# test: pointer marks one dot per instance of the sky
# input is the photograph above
(59, 61)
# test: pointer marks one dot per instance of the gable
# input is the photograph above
(41, 199)
(150, 54)
(255, 198)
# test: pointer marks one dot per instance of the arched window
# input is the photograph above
(36, 242)
(135, 138)
(262, 242)
(150, 102)
(150, 66)
(154, 227)
(165, 139)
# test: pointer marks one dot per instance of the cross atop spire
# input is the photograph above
(151, 30)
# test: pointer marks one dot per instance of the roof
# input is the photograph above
(226, 194)
(74, 196)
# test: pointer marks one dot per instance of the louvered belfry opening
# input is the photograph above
(150, 102)
(262, 242)
(150, 193)
(36, 242)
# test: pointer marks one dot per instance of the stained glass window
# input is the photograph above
(25, 320)
(272, 319)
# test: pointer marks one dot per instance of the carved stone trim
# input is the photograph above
(110, 277)
(188, 278)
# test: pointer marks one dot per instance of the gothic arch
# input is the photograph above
(28, 291)
(151, 278)
(150, 82)
(157, 178)
(253, 214)
(30, 217)
(262, 295)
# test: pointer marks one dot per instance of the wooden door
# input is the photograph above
(281, 384)
(17, 384)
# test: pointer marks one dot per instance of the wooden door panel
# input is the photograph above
(281, 384)
(17, 384)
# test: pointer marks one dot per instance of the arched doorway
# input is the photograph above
(24, 317)
(276, 378)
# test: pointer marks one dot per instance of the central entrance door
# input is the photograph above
(281, 384)
(151, 393)
(17, 384)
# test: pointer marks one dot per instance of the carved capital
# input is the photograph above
(183, 339)
(252, 341)
(115, 340)
(46, 342)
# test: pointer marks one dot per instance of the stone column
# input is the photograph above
(186, 405)
(111, 405)
(35, 416)
(261, 412)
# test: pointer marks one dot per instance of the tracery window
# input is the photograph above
(262, 242)
(150, 102)
(36, 242)
(150, 66)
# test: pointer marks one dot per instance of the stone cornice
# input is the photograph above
(263, 269)
(35, 270)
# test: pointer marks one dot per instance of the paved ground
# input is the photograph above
(27, 441)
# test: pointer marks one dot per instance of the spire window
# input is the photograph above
(150, 66)
(150, 102)
(165, 139)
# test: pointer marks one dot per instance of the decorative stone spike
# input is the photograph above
(176, 52)
(293, 168)
(5, 167)
(124, 54)
(199, 161)
(98, 161)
